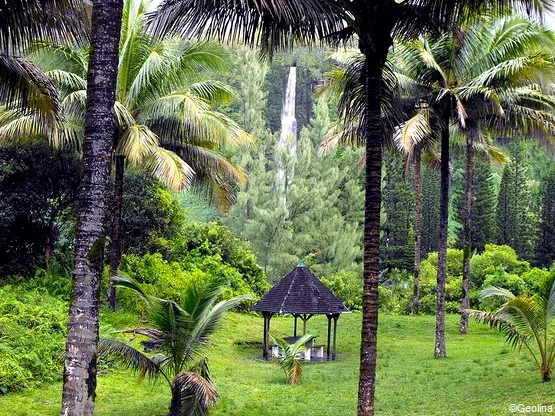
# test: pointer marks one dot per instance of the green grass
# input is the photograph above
(481, 376)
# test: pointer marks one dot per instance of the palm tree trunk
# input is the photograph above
(417, 226)
(115, 257)
(440, 350)
(82, 337)
(465, 303)
(374, 139)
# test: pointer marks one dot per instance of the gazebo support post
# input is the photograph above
(335, 318)
(305, 317)
(265, 343)
(295, 329)
(329, 336)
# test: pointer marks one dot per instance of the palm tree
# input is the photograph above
(526, 321)
(503, 88)
(278, 24)
(79, 388)
(288, 357)
(164, 107)
(179, 335)
(491, 76)
(22, 85)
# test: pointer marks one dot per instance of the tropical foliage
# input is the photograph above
(289, 357)
(526, 321)
(179, 336)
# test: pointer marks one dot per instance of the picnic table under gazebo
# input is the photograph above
(301, 294)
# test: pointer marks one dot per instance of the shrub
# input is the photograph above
(493, 258)
(347, 286)
(32, 328)
(202, 240)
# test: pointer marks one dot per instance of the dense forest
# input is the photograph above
(163, 180)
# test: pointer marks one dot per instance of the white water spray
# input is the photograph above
(287, 144)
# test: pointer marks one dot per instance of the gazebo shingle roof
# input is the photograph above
(300, 292)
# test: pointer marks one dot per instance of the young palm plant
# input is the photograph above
(526, 321)
(288, 358)
(179, 334)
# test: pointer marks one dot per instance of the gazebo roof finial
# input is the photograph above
(301, 264)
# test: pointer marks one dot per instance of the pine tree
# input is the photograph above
(546, 241)
(430, 210)
(318, 222)
(398, 205)
(516, 221)
(483, 206)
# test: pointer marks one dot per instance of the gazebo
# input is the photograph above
(301, 294)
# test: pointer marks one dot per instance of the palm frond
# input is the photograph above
(25, 86)
(168, 167)
(192, 395)
(413, 131)
(496, 291)
(130, 357)
(256, 22)
(129, 283)
(25, 21)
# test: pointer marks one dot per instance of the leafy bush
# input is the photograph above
(199, 241)
(151, 215)
(347, 286)
(172, 279)
(497, 266)
(453, 283)
(32, 330)
(396, 292)
(493, 259)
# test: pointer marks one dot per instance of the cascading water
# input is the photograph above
(287, 144)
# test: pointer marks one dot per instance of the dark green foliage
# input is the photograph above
(151, 214)
(516, 217)
(347, 286)
(201, 241)
(32, 331)
(483, 206)
(546, 241)
(38, 188)
(430, 210)
(397, 242)
(496, 265)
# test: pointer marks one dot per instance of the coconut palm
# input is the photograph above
(164, 108)
(277, 24)
(526, 321)
(406, 117)
(79, 389)
(23, 86)
(288, 358)
(179, 335)
(493, 76)
(23, 23)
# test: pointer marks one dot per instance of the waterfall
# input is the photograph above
(287, 144)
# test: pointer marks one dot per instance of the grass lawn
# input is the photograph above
(481, 376)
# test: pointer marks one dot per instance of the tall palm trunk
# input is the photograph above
(375, 56)
(465, 303)
(82, 338)
(115, 255)
(440, 350)
(417, 226)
